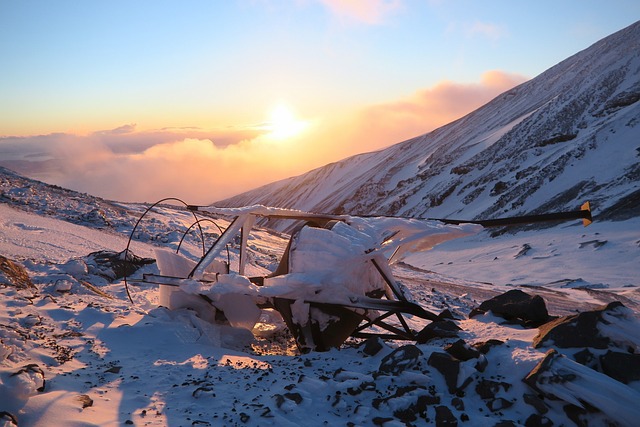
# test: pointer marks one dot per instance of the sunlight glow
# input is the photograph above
(283, 123)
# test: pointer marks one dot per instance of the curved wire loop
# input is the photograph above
(198, 223)
(126, 251)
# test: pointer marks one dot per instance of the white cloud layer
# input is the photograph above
(201, 166)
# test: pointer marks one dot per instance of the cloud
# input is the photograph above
(364, 11)
(201, 166)
(427, 109)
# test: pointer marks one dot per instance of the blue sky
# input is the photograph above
(219, 68)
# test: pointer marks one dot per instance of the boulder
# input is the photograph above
(516, 306)
(399, 360)
(438, 329)
(577, 330)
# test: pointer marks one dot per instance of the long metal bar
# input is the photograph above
(584, 213)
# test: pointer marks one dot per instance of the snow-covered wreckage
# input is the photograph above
(334, 280)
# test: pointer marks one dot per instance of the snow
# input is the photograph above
(145, 365)
(602, 255)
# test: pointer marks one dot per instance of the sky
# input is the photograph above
(146, 99)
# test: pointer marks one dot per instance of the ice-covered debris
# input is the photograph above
(27, 381)
(516, 306)
(558, 377)
(115, 265)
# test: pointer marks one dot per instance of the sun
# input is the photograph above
(283, 123)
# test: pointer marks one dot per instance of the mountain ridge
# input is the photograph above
(550, 143)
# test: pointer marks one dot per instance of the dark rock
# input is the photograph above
(438, 329)
(418, 408)
(295, 397)
(576, 331)
(498, 404)
(484, 346)
(516, 306)
(401, 359)
(462, 351)
(446, 314)
(457, 403)
(448, 366)
(505, 423)
(487, 389)
(579, 416)
(586, 358)
(379, 421)
(372, 346)
(624, 367)
(536, 402)
(445, 418)
(537, 420)
(482, 363)
(279, 400)
(85, 400)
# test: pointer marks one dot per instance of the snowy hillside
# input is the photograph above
(569, 135)
(75, 352)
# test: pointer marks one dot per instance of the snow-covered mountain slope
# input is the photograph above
(74, 351)
(569, 135)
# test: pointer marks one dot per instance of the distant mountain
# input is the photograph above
(569, 135)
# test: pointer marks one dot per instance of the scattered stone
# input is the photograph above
(484, 346)
(416, 409)
(457, 403)
(587, 358)
(401, 359)
(372, 346)
(516, 306)
(523, 251)
(448, 366)
(445, 418)
(295, 397)
(577, 330)
(113, 370)
(438, 329)
(536, 402)
(85, 400)
(487, 389)
(498, 404)
(624, 367)
(446, 314)
(462, 351)
(380, 421)
(579, 416)
(537, 420)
